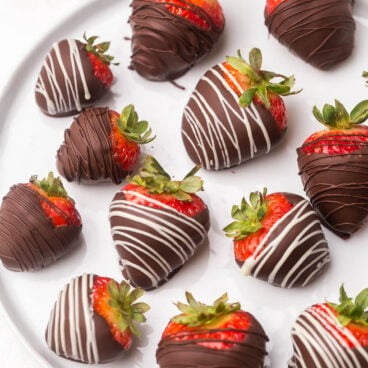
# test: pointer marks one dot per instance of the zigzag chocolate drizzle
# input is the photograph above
(316, 345)
(294, 252)
(86, 154)
(337, 186)
(165, 46)
(321, 32)
(28, 239)
(66, 82)
(75, 331)
(248, 353)
(153, 243)
(217, 132)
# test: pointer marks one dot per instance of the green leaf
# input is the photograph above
(329, 115)
(280, 89)
(342, 115)
(317, 114)
(191, 184)
(362, 299)
(360, 112)
(263, 96)
(255, 58)
(182, 196)
(247, 97)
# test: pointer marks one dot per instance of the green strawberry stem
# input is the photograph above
(123, 300)
(365, 75)
(153, 177)
(337, 117)
(133, 129)
(352, 311)
(195, 314)
(260, 80)
(52, 186)
(248, 216)
(99, 49)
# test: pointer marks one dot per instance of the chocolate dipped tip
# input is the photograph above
(164, 45)
(66, 82)
(321, 32)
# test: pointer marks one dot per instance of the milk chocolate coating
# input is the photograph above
(249, 353)
(28, 239)
(86, 154)
(321, 32)
(66, 82)
(316, 347)
(165, 46)
(337, 186)
(154, 243)
(75, 331)
(294, 252)
(217, 132)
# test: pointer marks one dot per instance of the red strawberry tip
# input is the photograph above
(195, 314)
(153, 177)
(53, 187)
(99, 50)
(338, 118)
(260, 80)
(134, 130)
(247, 216)
(349, 311)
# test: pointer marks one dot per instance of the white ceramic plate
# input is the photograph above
(28, 144)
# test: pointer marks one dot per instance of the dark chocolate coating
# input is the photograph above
(154, 243)
(86, 154)
(75, 331)
(165, 46)
(28, 239)
(337, 186)
(315, 345)
(66, 82)
(321, 32)
(295, 250)
(249, 353)
(217, 132)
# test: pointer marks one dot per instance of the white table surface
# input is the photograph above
(23, 23)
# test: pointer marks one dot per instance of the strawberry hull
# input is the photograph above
(321, 32)
(66, 82)
(337, 186)
(250, 352)
(28, 239)
(154, 243)
(75, 331)
(86, 153)
(315, 345)
(217, 132)
(165, 46)
(294, 252)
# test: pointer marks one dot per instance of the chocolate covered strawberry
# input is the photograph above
(157, 224)
(216, 336)
(321, 32)
(235, 113)
(102, 319)
(278, 239)
(102, 145)
(170, 36)
(38, 224)
(332, 335)
(333, 165)
(74, 75)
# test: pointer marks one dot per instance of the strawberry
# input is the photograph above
(170, 36)
(197, 11)
(157, 224)
(220, 335)
(341, 196)
(278, 238)
(74, 75)
(235, 113)
(271, 5)
(102, 144)
(95, 319)
(340, 331)
(46, 221)
(115, 303)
